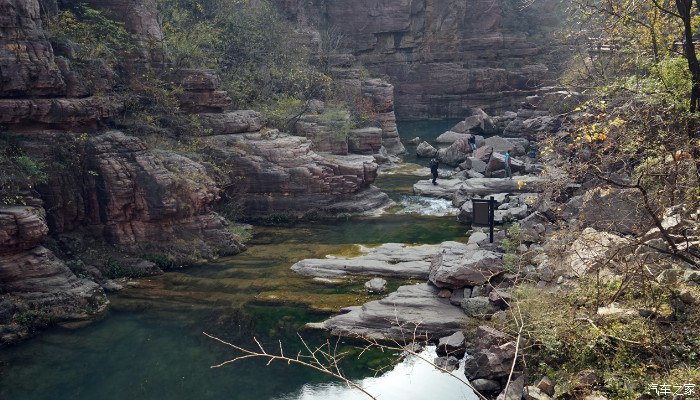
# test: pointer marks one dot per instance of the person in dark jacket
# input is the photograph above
(434, 165)
(472, 142)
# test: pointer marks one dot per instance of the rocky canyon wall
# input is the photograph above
(442, 56)
(101, 186)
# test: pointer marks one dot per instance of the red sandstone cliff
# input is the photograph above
(442, 56)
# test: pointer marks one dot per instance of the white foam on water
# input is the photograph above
(426, 206)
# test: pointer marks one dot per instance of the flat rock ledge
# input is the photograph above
(446, 188)
(390, 259)
(412, 308)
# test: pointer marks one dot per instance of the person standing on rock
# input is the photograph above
(472, 142)
(434, 164)
(509, 174)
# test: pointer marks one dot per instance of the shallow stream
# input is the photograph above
(151, 344)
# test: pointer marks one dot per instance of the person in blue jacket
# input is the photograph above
(509, 174)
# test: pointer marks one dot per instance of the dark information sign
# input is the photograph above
(482, 214)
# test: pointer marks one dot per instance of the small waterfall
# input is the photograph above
(413, 204)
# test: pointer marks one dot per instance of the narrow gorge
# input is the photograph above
(257, 171)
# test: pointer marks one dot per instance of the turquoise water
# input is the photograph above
(151, 345)
(427, 131)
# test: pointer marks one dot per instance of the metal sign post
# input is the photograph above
(483, 214)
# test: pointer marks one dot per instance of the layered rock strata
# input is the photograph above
(462, 270)
(281, 174)
(36, 288)
(443, 56)
(102, 186)
(27, 64)
(411, 309)
(371, 99)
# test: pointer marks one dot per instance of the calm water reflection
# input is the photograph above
(151, 345)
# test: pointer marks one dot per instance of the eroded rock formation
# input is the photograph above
(36, 288)
(442, 56)
(105, 186)
(280, 174)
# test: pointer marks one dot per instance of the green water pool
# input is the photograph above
(151, 344)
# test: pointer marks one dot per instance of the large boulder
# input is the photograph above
(21, 228)
(501, 145)
(483, 153)
(365, 140)
(615, 210)
(411, 309)
(445, 188)
(593, 249)
(532, 127)
(453, 345)
(515, 390)
(450, 137)
(376, 285)
(426, 150)
(465, 268)
(280, 173)
(456, 153)
(561, 101)
(489, 186)
(476, 122)
(239, 121)
(479, 307)
(485, 337)
(498, 162)
(493, 363)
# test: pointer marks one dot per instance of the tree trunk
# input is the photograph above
(684, 7)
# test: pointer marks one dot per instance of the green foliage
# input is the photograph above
(32, 169)
(190, 39)
(241, 233)
(255, 50)
(19, 174)
(512, 260)
(25, 318)
(114, 270)
(281, 113)
(623, 38)
(666, 83)
(90, 33)
(279, 219)
(163, 261)
(628, 352)
(340, 118)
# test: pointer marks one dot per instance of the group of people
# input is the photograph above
(435, 164)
